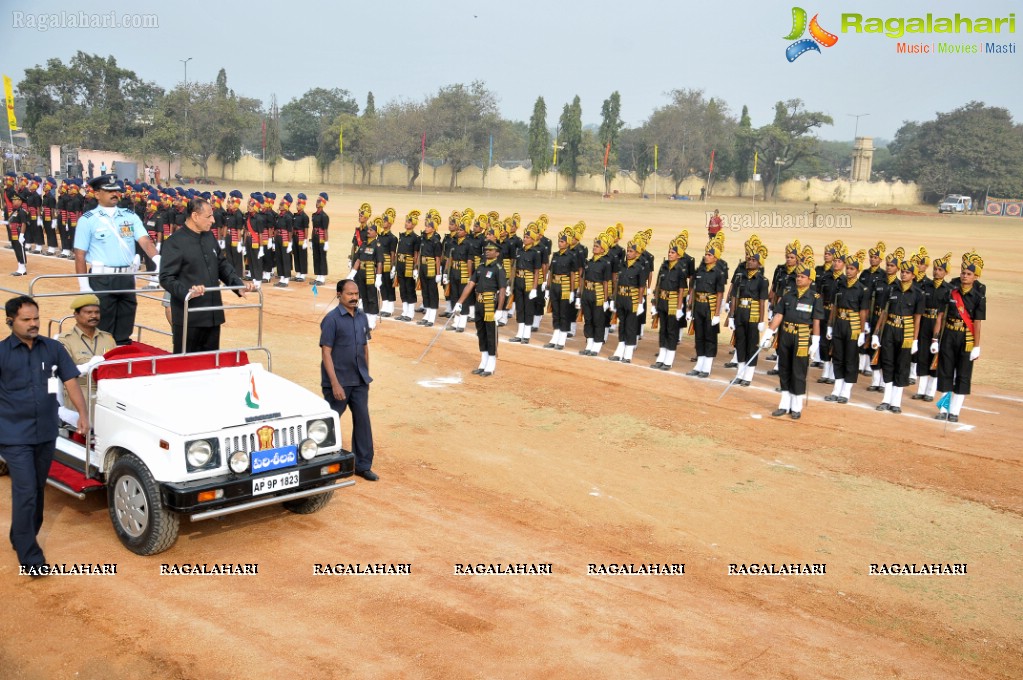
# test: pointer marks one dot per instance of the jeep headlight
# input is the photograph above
(318, 431)
(201, 454)
(238, 462)
(308, 449)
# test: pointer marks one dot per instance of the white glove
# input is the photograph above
(83, 284)
(731, 324)
(679, 314)
(272, 244)
(379, 282)
(546, 295)
(830, 334)
(860, 339)
(445, 280)
(532, 294)
(349, 264)
(766, 338)
(415, 274)
(159, 244)
(934, 347)
(866, 328)
(438, 278)
(288, 249)
(53, 223)
(640, 309)
(220, 243)
(725, 308)
(916, 346)
(606, 305)
(578, 304)
(457, 309)
(507, 290)
(612, 305)
(21, 237)
(975, 354)
(326, 246)
(689, 317)
(351, 274)
(241, 248)
(394, 273)
(761, 326)
(815, 347)
(875, 342)
(308, 244)
(261, 253)
(39, 220)
(715, 320)
(95, 361)
(544, 287)
(571, 298)
(156, 263)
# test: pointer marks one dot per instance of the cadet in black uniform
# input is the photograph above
(545, 247)
(749, 310)
(488, 284)
(406, 263)
(921, 261)
(870, 277)
(630, 291)
(899, 324)
(369, 261)
(828, 281)
(845, 327)
(255, 228)
(783, 279)
(562, 282)
(511, 244)
(300, 242)
(527, 282)
(669, 301)
(798, 315)
(388, 244)
(17, 221)
(320, 238)
(49, 215)
(460, 268)
(234, 231)
(447, 243)
(594, 297)
(360, 236)
(879, 296)
(430, 277)
(936, 291)
(284, 227)
(269, 236)
(705, 301)
(960, 316)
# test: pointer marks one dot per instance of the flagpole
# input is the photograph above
(341, 156)
(422, 168)
(754, 179)
(655, 173)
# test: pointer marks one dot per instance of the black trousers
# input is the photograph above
(668, 332)
(319, 258)
(367, 293)
(200, 338)
(255, 261)
(29, 465)
(407, 288)
(746, 338)
(67, 236)
(117, 310)
(895, 360)
(299, 255)
(356, 399)
(282, 258)
(523, 305)
(955, 370)
(486, 332)
(845, 355)
(51, 233)
(387, 287)
(562, 311)
(791, 368)
(923, 358)
(456, 289)
(706, 334)
(628, 321)
(593, 317)
(431, 295)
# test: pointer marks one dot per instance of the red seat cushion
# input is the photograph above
(144, 364)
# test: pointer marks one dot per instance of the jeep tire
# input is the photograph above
(144, 526)
(309, 504)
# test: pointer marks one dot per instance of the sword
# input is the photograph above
(435, 338)
(730, 382)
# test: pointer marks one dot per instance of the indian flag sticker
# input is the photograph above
(252, 397)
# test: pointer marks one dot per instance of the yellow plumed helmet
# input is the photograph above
(858, 260)
(455, 216)
(390, 214)
(806, 264)
(792, 248)
(580, 229)
(365, 210)
(516, 219)
(483, 221)
(683, 240)
(471, 213)
(466, 221)
(413, 216)
(433, 215)
(376, 223)
(494, 216)
(606, 238)
(973, 262)
(542, 221)
(878, 250)
(619, 230)
(640, 240)
(944, 261)
(532, 231)
(566, 234)
(896, 256)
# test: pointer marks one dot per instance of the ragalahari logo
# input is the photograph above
(817, 35)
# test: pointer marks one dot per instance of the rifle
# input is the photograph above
(882, 316)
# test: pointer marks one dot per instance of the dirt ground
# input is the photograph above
(572, 461)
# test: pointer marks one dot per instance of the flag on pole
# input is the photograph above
(555, 151)
(655, 158)
(341, 140)
(607, 152)
(490, 161)
(754, 163)
(712, 152)
(945, 402)
(12, 122)
(423, 158)
(264, 136)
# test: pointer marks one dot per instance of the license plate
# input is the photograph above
(274, 483)
(272, 459)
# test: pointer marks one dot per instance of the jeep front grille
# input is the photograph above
(283, 436)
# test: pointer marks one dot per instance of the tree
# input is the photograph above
(221, 83)
(401, 128)
(465, 117)
(974, 149)
(636, 154)
(745, 141)
(539, 141)
(273, 136)
(90, 102)
(610, 127)
(787, 139)
(571, 135)
(687, 130)
(305, 119)
(371, 108)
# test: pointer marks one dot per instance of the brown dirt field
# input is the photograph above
(570, 460)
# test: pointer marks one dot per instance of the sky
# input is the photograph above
(733, 50)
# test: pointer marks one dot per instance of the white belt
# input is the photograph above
(103, 269)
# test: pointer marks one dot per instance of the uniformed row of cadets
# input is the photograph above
(260, 239)
(843, 299)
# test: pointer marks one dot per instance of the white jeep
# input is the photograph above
(199, 435)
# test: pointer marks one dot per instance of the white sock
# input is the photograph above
(620, 350)
(447, 306)
(372, 318)
(596, 347)
(629, 349)
(875, 380)
(750, 371)
(847, 390)
(932, 386)
(462, 320)
(284, 279)
(956, 403)
(797, 403)
(21, 269)
(528, 330)
(921, 384)
(483, 361)
(536, 323)
(572, 328)
(669, 358)
(607, 332)
(522, 331)
(897, 396)
(491, 363)
(708, 364)
(839, 386)
(735, 356)
(887, 399)
(912, 371)
(660, 355)
(829, 371)
(740, 369)
(786, 401)
(589, 344)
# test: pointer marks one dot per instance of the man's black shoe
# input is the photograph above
(368, 475)
(730, 364)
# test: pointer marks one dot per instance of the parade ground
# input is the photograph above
(795, 536)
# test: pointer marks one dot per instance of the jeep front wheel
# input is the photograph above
(144, 526)
(310, 504)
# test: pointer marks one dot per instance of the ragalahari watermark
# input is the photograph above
(776, 220)
(45, 21)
